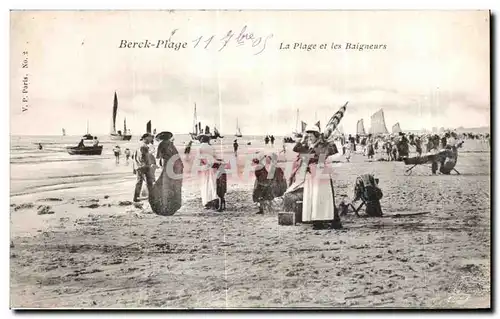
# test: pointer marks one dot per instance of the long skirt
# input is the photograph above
(166, 196)
(208, 186)
(319, 201)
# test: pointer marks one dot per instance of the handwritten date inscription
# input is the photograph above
(211, 41)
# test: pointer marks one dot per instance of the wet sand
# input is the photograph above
(93, 248)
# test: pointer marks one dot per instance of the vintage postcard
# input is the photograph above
(250, 159)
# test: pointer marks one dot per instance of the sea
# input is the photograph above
(52, 168)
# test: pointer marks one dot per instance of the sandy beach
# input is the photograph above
(91, 247)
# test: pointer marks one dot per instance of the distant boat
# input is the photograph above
(88, 136)
(396, 128)
(197, 131)
(360, 128)
(303, 125)
(378, 126)
(87, 150)
(63, 132)
(196, 126)
(119, 135)
(238, 130)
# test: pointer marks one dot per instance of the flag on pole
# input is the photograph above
(334, 122)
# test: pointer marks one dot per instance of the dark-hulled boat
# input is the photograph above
(86, 150)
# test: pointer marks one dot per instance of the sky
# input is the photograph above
(434, 71)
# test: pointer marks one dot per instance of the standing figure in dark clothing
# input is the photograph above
(165, 197)
(418, 146)
(40, 147)
(143, 166)
(266, 139)
(235, 147)
(272, 139)
(187, 150)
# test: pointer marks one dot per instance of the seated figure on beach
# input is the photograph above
(318, 200)
(367, 190)
(269, 184)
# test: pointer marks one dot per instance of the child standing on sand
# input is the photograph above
(127, 154)
(117, 152)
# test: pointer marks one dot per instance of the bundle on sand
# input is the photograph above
(366, 189)
(292, 202)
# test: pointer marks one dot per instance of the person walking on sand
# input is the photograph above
(143, 166)
(266, 139)
(127, 155)
(347, 151)
(235, 147)
(117, 151)
(187, 150)
(319, 197)
(272, 140)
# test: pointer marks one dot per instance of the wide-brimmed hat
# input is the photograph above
(146, 135)
(312, 129)
(165, 135)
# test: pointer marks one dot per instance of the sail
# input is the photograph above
(396, 128)
(199, 127)
(378, 123)
(194, 121)
(334, 121)
(238, 130)
(64, 132)
(303, 127)
(115, 109)
(318, 124)
(360, 128)
(148, 127)
(125, 126)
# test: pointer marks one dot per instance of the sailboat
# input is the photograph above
(88, 136)
(195, 135)
(119, 135)
(196, 126)
(238, 130)
(296, 133)
(63, 132)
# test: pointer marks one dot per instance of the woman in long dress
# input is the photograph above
(208, 176)
(318, 203)
(166, 195)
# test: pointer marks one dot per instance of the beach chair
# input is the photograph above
(447, 157)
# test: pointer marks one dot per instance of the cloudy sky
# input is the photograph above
(434, 71)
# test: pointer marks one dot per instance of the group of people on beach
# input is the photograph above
(270, 182)
(317, 195)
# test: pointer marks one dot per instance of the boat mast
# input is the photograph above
(297, 122)
(195, 120)
(125, 126)
(115, 109)
(87, 126)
